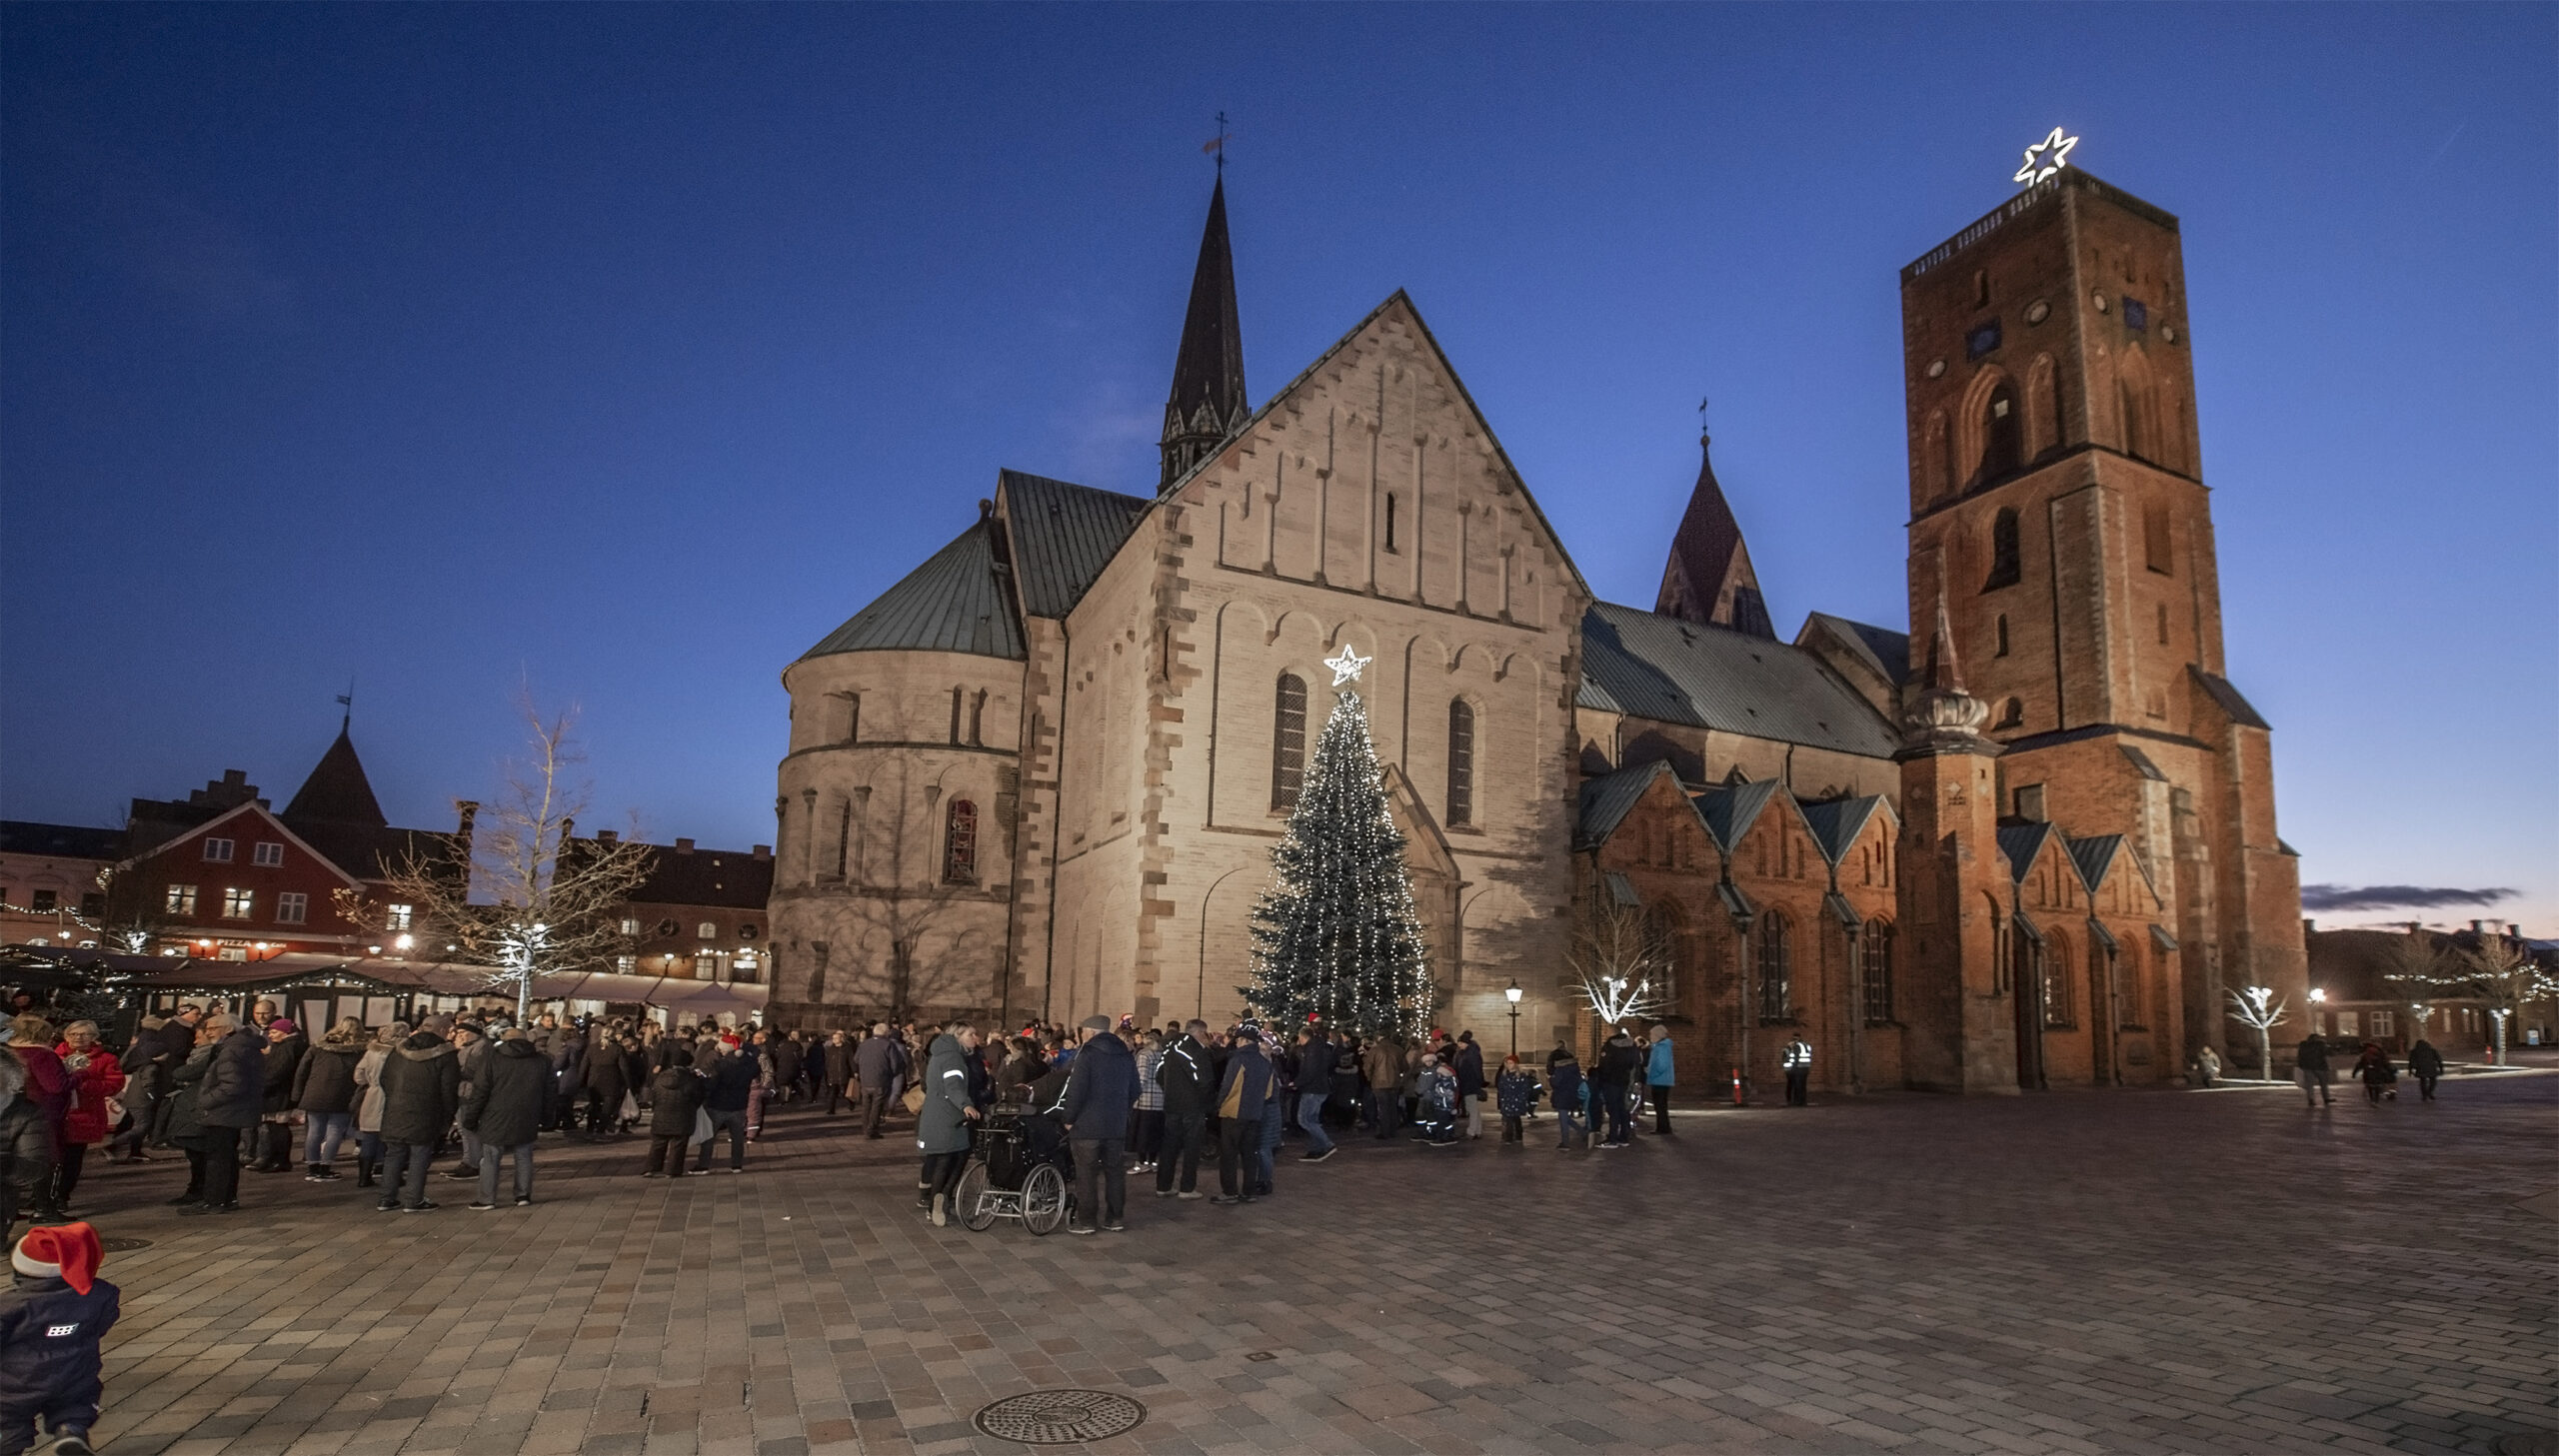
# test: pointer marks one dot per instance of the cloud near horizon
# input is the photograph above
(2381, 896)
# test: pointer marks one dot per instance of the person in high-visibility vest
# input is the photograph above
(1797, 1061)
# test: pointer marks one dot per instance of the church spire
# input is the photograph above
(1708, 575)
(1206, 406)
(338, 790)
(1943, 713)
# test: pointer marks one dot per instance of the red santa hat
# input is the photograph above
(69, 1252)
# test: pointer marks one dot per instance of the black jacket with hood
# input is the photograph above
(511, 1098)
(421, 1090)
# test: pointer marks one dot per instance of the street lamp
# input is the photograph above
(1512, 993)
(2316, 995)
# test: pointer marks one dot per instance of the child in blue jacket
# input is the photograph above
(52, 1319)
(1514, 1091)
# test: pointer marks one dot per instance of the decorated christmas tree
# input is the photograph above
(1336, 935)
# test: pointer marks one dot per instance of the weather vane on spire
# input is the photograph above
(347, 700)
(2045, 159)
(1217, 146)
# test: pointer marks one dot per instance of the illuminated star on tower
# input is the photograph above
(1345, 667)
(2046, 158)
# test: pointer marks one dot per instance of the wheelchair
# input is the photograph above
(1008, 1179)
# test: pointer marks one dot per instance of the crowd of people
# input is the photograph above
(260, 1095)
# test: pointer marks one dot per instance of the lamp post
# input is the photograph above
(1512, 993)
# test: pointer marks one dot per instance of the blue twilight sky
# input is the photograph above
(626, 351)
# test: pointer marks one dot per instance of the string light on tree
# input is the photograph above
(1337, 935)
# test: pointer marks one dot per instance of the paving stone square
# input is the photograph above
(2170, 1271)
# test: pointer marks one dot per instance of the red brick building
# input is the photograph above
(222, 874)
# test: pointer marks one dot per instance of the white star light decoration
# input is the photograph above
(2046, 158)
(1345, 666)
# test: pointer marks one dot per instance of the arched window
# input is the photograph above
(1288, 743)
(1777, 968)
(960, 843)
(1879, 973)
(2136, 421)
(2057, 1009)
(1670, 947)
(2003, 450)
(1461, 761)
(2005, 569)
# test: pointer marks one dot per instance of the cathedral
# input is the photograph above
(2031, 843)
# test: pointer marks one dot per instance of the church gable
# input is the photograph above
(1374, 471)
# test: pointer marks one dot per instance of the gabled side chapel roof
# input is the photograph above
(1649, 666)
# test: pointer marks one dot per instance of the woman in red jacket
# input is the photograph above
(96, 1077)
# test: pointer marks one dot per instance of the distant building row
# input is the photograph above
(221, 875)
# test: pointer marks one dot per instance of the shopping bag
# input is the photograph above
(700, 1127)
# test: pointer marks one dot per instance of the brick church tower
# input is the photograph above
(2058, 510)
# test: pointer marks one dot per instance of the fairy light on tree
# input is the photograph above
(1337, 934)
(2257, 1006)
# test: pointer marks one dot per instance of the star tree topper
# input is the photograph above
(1347, 665)
(2046, 158)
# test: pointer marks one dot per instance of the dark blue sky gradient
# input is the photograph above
(626, 351)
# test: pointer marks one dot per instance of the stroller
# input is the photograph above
(1014, 1173)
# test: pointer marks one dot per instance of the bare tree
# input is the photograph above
(915, 927)
(2256, 1006)
(1620, 959)
(2500, 973)
(543, 907)
(129, 924)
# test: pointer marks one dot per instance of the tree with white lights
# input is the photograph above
(1337, 935)
(2256, 1006)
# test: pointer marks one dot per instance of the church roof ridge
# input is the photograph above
(1399, 295)
(1648, 664)
(950, 604)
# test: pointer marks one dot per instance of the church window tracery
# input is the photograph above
(1776, 967)
(2056, 982)
(1461, 761)
(1877, 968)
(960, 843)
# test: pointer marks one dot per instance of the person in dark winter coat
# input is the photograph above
(874, 1063)
(228, 1102)
(325, 1091)
(1188, 1076)
(785, 1053)
(1514, 1091)
(567, 1053)
(53, 1317)
(26, 1148)
(1471, 1082)
(603, 1079)
(675, 1095)
(1102, 1086)
(421, 1090)
(2380, 1079)
(2310, 1069)
(2426, 1065)
(836, 1061)
(510, 1102)
(1242, 1092)
(277, 1065)
(1315, 1088)
(942, 1130)
(728, 1083)
(1563, 1088)
(182, 1124)
(1619, 1061)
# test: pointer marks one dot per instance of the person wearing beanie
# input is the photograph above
(52, 1319)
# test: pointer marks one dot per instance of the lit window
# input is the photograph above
(291, 910)
(180, 901)
(626, 964)
(960, 843)
(707, 930)
(217, 852)
(401, 918)
(266, 855)
(238, 903)
(2349, 1024)
(630, 925)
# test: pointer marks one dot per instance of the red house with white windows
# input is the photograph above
(220, 875)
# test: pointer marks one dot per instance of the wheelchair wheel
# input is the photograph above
(975, 1215)
(1044, 1199)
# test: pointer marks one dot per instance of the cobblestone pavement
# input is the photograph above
(2096, 1272)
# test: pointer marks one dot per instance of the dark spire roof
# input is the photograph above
(1708, 577)
(1208, 403)
(337, 791)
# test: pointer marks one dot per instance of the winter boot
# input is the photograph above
(364, 1173)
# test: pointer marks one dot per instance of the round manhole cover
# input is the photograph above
(2528, 1443)
(1060, 1417)
(123, 1246)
